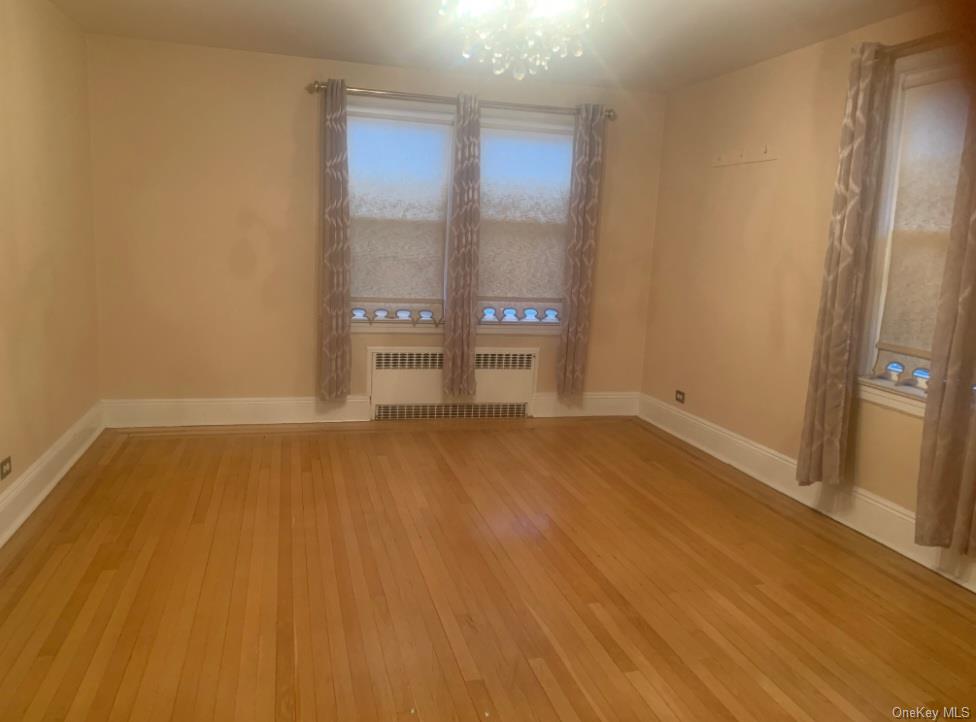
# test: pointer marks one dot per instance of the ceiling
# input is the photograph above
(652, 44)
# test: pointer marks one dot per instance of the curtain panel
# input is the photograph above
(584, 221)
(334, 300)
(461, 291)
(833, 370)
(947, 474)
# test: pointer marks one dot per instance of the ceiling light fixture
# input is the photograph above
(522, 36)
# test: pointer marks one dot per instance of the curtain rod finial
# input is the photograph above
(611, 114)
(315, 86)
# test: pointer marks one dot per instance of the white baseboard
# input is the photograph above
(140, 413)
(615, 403)
(867, 513)
(132, 413)
(28, 490)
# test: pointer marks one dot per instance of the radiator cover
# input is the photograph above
(405, 383)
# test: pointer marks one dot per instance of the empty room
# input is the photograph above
(459, 360)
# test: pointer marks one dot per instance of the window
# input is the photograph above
(399, 177)
(399, 172)
(926, 132)
(525, 177)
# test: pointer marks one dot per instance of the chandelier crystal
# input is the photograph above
(522, 36)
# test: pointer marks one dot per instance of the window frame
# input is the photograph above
(529, 122)
(407, 112)
(909, 72)
(365, 319)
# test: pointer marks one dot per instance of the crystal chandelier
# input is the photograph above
(522, 36)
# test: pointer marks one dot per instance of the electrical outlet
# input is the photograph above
(679, 396)
(6, 466)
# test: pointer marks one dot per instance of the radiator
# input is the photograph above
(405, 383)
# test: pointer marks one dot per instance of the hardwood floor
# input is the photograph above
(538, 570)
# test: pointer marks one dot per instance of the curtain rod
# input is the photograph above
(318, 85)
(926, 42)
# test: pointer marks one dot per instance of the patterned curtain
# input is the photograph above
(334, 304)
(833, 371)
(584, 221)
(460, 302)
(947, 481)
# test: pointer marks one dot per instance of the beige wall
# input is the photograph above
(48, 372)
(886, 452)
(206, 188)
(204, 165)
(738, 252)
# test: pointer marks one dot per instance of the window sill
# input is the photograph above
(885, 393)
(495, 329)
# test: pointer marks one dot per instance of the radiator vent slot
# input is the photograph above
(404, 412)
(522, 361)
(426, 360)
(410, 360)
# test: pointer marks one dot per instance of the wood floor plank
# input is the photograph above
(582, 570)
